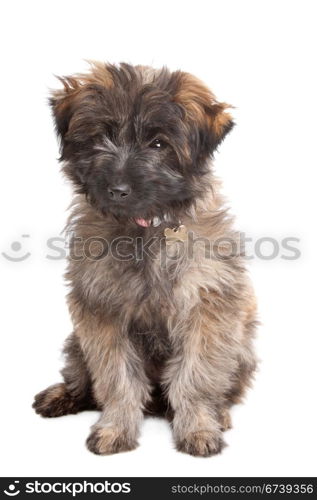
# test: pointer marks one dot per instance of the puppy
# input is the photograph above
(162, 308)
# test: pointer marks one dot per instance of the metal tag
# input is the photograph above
(175, 234)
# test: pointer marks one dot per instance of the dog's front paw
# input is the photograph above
(225, 420)
(55, 401)
(201, 444)
(109, 440)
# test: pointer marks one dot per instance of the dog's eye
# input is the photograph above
(157, 144)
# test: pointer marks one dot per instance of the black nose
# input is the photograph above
(119, 192)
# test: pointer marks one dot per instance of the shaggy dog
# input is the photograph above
(162, 308)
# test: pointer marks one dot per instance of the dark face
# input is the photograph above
(132, 142)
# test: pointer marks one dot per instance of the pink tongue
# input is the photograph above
(143, 222)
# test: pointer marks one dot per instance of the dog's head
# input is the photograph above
(136, 140)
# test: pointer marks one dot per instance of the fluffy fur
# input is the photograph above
(170, 332)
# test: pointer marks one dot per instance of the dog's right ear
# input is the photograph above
(62, 102)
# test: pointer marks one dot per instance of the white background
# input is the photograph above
(259, 56)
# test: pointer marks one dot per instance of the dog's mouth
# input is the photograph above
(148, 220)
(154, 221)
(143, 222)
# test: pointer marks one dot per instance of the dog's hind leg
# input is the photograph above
(75, 394)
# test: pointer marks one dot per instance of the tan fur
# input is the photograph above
(201, 105)
(181, 320)
(208, 321)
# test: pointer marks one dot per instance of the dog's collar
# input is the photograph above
(157, 221)
(154, 222)
(172, 234)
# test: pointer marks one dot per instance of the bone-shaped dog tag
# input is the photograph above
(176, 234)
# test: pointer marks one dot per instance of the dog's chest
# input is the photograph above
(147, 288)
(134, 284)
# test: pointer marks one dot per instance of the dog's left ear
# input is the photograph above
(203, 113)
